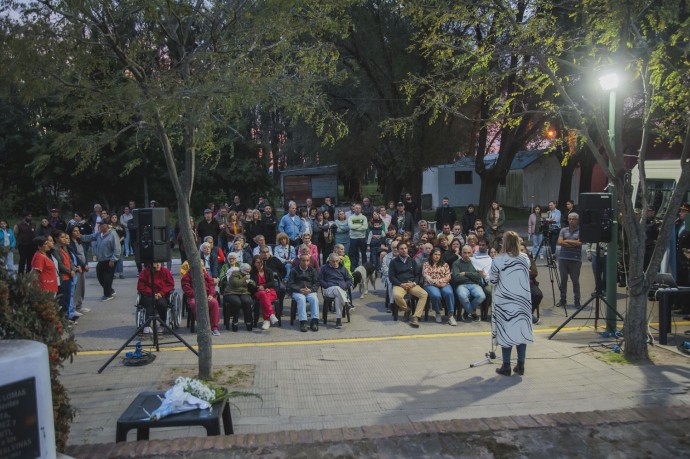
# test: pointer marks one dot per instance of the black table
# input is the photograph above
(665, 295)
(135, 417)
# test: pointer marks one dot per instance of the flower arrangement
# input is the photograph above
(202, 390)
(186, 395)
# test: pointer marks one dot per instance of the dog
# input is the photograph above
(364, 276)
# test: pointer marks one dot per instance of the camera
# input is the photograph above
(545, 226)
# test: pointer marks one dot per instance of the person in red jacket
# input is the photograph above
(210, 287)
(163, 286)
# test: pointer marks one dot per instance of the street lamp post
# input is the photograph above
(609, 83)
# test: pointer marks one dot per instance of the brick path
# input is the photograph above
(637, 432)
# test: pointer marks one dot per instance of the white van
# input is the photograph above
(662, 176)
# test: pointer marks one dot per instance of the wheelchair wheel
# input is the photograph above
(140, 317)
(175, 316)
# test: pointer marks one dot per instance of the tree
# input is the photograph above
(385, 132)
(477, 73)
(650, 40)
(181, 71)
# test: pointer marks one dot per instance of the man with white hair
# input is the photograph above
(570, 258)
(335, 280)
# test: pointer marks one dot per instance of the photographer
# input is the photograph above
(535, 231)
(553, 218)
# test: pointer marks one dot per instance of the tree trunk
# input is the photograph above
(389, 186)
(488, 191)
(202, 314)
(566, 184)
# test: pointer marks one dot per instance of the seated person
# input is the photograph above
(284, 252)
(275, 265)
(339, 250)
(239, 248)
(406, 277)
(210, 288)
(535, 292)
(303, 283)
(335, 279)
(210, 261)
(238, 295)
(467, 280)
(265, 293)
(260, 240)
(313, 249)
(163, 286)
(216, 251)
(305, 250)
(472, 242)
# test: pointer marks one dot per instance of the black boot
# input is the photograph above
(249, 326)
(303, 325)
(315, 325)
(520, 368)
(504, 370)
(235, 327)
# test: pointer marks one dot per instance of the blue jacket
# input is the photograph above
(292, 226)
(330, 276)
(107, 248)
(13, 241)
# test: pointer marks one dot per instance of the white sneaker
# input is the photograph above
(148, 331)
(439, 319)
(84, 310)
(273, 319)
(77, 314)
(452, 322)
(266, 325)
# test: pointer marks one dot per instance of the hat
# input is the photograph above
(685, 207)
(400, 203)
(207, 211)
(54, 210)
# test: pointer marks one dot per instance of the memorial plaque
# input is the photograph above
(19, 437)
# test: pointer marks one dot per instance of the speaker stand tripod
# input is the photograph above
(153, 321)
(598, 297)
(551, 265)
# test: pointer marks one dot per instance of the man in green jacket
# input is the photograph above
(467, 281)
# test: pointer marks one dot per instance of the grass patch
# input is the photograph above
(231, 376)
(611, 357)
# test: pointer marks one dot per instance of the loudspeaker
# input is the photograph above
(595, 217)
(152, 241)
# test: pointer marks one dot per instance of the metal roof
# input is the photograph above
(522, 160)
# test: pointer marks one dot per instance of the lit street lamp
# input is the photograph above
(609, 82)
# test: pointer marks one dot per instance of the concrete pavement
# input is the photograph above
(373, 372)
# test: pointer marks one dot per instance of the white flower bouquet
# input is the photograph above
(188, 394)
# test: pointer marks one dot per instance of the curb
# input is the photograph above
(274, 440)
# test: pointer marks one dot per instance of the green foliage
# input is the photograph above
(27, 312)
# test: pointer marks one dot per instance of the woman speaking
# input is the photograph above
(512, 308)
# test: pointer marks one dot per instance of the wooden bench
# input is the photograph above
(136, 417)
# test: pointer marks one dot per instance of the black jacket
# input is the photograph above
(400, 272)
(299, 279)
(445, 215)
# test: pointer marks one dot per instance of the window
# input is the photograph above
(463, 177)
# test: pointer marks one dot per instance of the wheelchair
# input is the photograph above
(174, 315)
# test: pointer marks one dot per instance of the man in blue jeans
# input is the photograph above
(303, 282)
(467, 280)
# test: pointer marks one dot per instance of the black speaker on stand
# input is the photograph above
(152, 242)
(151, 245)
(595, 218)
